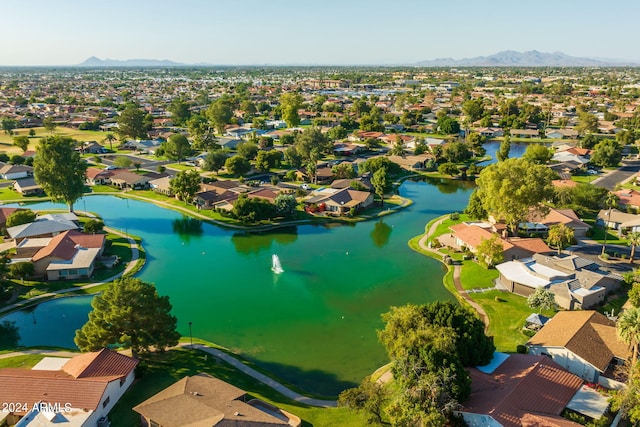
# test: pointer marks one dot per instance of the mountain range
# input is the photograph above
(507, 58)
(532, 58)
(97, 62)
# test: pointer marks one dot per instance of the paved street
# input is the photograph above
(628, 169)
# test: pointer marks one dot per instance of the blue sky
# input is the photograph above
(327, 32)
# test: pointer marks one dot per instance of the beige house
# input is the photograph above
(203, 400)
(69, 255)
(584, 343)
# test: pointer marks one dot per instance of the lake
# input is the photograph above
(315, 324)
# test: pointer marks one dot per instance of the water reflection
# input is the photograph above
(380, 233)
(9, 335)
(253, 243)
(187, 227)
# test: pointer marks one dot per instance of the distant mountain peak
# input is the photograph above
(97, 62)
(512, 58)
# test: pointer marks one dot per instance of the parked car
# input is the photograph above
(305, 186)
(112, 167)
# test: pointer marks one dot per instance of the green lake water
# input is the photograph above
(314, 325)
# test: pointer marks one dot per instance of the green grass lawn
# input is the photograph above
(180, 167)
(6, 141)
(473, 276)
(161, 370)
(26, 361)
(585, 179)
(506, 317)
(443, 228)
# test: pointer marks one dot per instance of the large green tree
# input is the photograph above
(237, 165)
(220, 113)
(606, 153)
(510, 189)
(538, 154)
(185, 185)
(60, 170)
(21, 217)
(177, 147)
(130, 314)
(505, 147)
(214, 160)
(311, 141)
(133, 123)
(22, 142)
(381, 182)
(490, 252)
(541, 299)
(179, 110)
(290, 102)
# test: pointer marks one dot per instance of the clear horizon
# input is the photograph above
(335, 33)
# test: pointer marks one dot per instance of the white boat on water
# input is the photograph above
(276, 267)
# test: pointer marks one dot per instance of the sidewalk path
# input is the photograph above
(262, 377)
(135, 254)
(456, 271)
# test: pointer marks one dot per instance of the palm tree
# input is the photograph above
(628, 328)
(110, 138)
(610, 201)
(633, 240)
(560, 235)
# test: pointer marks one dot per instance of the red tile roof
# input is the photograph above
(100, 364)
(63, 246)
(6, 213)
(472, 235)
(81, 383)
(522, 384)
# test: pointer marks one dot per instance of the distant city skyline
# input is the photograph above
(331, 32)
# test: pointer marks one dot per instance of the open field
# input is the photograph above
(6, 141)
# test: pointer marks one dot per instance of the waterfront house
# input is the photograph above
(584, 343)
(78, 391)
(41, 227)
(525, 391)
(162, 185)
(203, 400)
(339, 201)
(577, 283)
(96, 176)
(28, 187)
(69, 255)
(124, 179)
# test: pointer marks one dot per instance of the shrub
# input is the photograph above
(454, 216)
(605, 256)
(521, 349)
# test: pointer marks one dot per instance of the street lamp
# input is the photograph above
(190, 334)
(606, 222)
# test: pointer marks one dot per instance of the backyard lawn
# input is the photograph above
(6, 141)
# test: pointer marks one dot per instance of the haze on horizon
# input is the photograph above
(331, 32)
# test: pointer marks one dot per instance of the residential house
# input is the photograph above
(490, 132)
(323, 175)
(363, 181)
(96, 176)
(228, 143)
(263, 193)
(124, 179)
(629, 199)
(342, 149)
(145, 145)
(412, 162)
(561, 133)
(28, 187)
(524, 133)
(201, 400)
(16, 171)
(584, 343)
(339, 202)
(69, 255)
(577, 283)
(471, 234)
(433, 142)
(525, 391)
(617, 220)
(41, 227)
(161, 185)
(92, 147)
(80, 390)
(568, 217)
(570, 155)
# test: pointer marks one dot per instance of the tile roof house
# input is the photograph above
(575, 282)
(123, 179)
(341, 201)
(617, 220)
(69, 255)
(97, 176)
(6, 213)
(583, 342)
(558, 216)
(203, 400)
(85, 389)
(471, 234)
(521, 389)
(628, 198)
